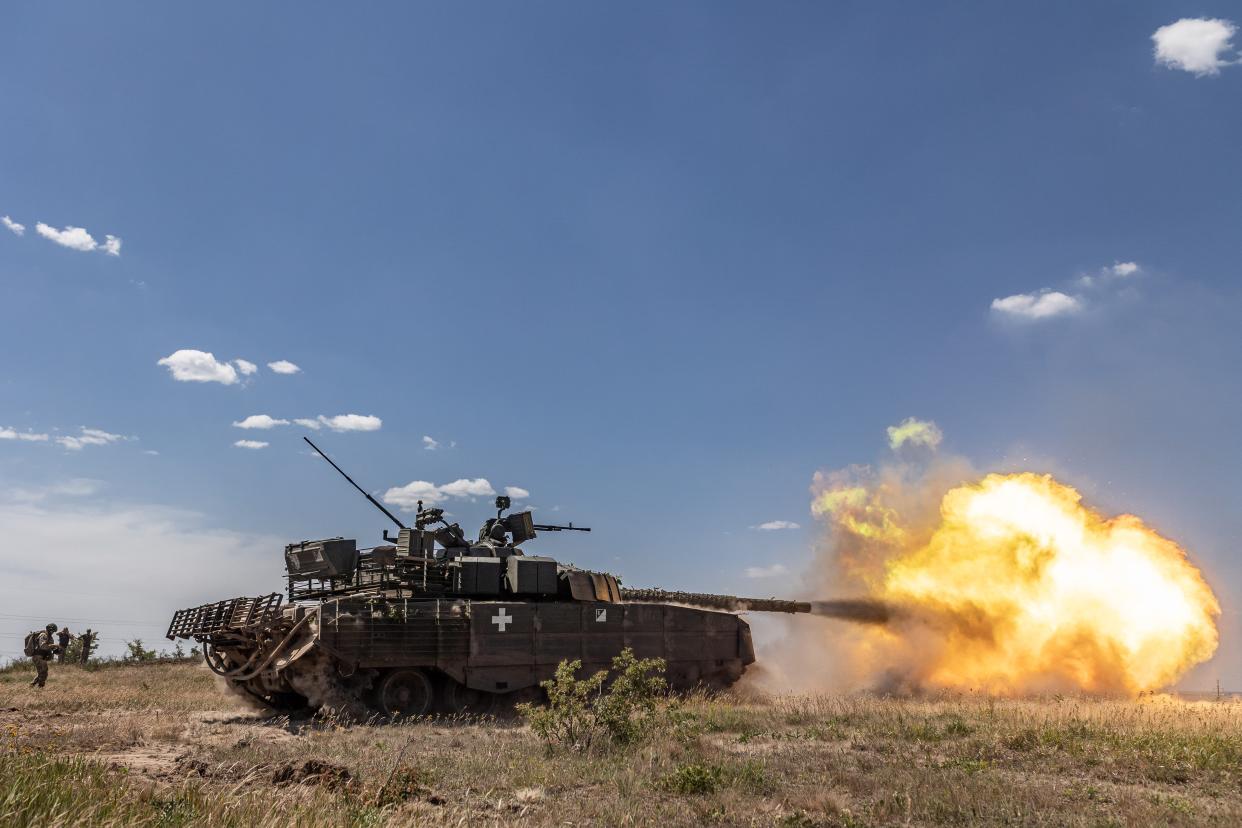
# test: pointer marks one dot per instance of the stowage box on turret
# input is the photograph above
(433, 621)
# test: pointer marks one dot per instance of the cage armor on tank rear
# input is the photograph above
(433, 621)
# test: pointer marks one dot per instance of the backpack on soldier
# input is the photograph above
(32, 644)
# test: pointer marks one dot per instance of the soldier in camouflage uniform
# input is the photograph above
(63, 638)
(88, 640)
(45, 647)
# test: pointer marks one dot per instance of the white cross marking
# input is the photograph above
(601, 615)
(502, 620)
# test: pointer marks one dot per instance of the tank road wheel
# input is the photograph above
(462, 700)
(405, 693)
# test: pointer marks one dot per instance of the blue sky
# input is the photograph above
(654, 263)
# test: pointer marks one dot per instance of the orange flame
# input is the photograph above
(1019, 587)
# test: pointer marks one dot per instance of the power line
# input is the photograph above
(84, 620)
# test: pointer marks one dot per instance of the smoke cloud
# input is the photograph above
(1002, 583)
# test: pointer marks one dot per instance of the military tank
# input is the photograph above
(431, 621)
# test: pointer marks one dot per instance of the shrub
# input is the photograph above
(584, 712)
(695, 778)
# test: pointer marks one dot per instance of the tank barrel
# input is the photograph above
(374, 502)
(729, 603)
(857, 610)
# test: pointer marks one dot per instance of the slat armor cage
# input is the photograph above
(236, 613)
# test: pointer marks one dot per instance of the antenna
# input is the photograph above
(374, 502)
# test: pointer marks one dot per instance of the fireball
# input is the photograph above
(1019, 587)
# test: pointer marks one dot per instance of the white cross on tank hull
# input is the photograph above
(502, 619)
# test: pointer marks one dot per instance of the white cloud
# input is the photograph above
(151, 452)
(18, 229)
(430, 443)
(28, 436)
(262, 421)
(517, 492)
(76, 238)
(766, 571)
(1124, 268)
(776, 525)
(189, 365)
(1037, 305)
(88, 437)
(246, 367)
(284, 366)
(251, 444)
(351, 422)
(313, 425)
(479, 487)
(1197, 45)
(407, 497)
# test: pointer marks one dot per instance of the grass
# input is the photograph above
(162, 745)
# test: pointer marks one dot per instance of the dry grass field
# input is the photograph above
(161, 745)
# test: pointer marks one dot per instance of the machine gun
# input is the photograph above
(548, 527)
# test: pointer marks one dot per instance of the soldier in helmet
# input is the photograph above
(45, 647)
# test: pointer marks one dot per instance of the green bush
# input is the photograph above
(695, 778)
(584, 712)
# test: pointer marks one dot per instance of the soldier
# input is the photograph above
(88, 639)
(63, 638)
(45, 646)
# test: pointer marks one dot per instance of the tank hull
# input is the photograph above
(372, 654)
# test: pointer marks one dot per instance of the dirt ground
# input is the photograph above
(163, 745)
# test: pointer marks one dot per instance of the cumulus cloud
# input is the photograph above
(17, 229)
(28, 436)
(1124, 268)
(430, 443)
(77, 238)
(284, 366)
(262, 421)
(188, 365)
(246, 367)
(478, 487)
(350, 422)
(1033, 306)
(776, 525)
(306, 422)
(766, 571)
(251, 444)
(88, 437)
(1200, 46)
(914, 432)
(406, 497)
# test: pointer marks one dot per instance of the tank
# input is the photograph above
(431, 621)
